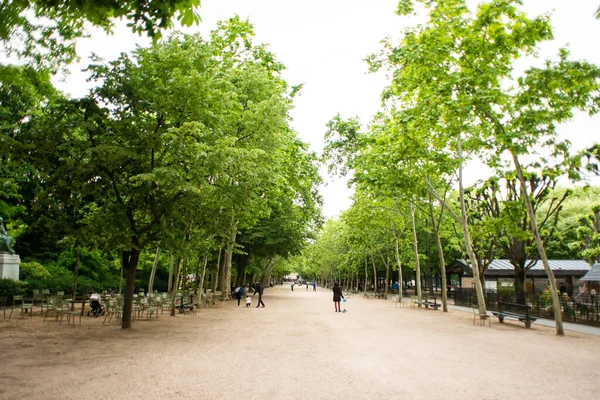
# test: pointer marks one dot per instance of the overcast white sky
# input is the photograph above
(323, 44)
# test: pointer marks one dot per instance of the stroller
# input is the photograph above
(96, 306)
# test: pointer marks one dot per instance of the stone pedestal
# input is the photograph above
(9, 266)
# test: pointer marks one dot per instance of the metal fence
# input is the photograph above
(583, 309)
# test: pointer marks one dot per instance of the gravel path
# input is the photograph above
(296, 348)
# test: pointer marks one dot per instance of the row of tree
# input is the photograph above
(455, 97)
(183, 148)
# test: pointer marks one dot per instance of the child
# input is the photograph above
(248, 301)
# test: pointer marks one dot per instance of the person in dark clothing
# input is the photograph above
(258, 288)
(337, 297)
(238, 293)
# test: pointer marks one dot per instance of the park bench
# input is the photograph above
(381, 296)
(516, 311)
(369, 295)
(433, 304)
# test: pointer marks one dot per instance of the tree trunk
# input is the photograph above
(416, 250)
(170, 285)
(366, 276)
(176, 286)
(129, 261)
(387, 274)
(374, 274)
(398, 263)
(268, 269)
(217, 272)
(153, 273)
(520, 285)
(184, 275)
(429, 273)
(201, 286)
(540, 247)
(75, 276)
(442, 264)
(465, 228)
(197, 275)
(226, 286)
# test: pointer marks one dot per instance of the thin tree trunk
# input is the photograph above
(442, 263)
(416, 250)
(267, 274)
(176, 286)
(75, 276)
(170, 285)
(226, 292)
(398, 263)
(366, 276)
(153, 273)
(540, 247)
(387, 274)
(197, 275)
(429, 273)
(217, 272)
(465, 228)
(184, 275)
(203, 275)
(374, 274)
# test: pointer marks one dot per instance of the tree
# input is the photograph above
(46, 31)
(476, 81)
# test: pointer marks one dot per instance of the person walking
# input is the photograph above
(314, 286)
(337, 297)
(238, 293)
(307, 286)
(293, 284)
(258, 288)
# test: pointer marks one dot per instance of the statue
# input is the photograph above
(6, 241)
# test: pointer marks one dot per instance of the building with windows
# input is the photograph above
(569, 275)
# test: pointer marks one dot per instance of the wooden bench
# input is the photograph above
(516, 311)
(369, 295)
(381, 296)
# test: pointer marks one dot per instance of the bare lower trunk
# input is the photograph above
(203, 275)
(226, 284)
(398, 263)
(429, 273)
(442, 265)
(216, 280)
(75, 276)
(416, 250)
(387, 276)
(175, 287)
(540, 247)
(374, 274)
(266, 278)
(465, 228)
(153, 272)
(170, 285)
(366, 276)
(129, 260)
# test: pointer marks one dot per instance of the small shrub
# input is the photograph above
(33, 270)
(10, 287)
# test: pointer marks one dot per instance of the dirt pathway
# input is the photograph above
(296, 348)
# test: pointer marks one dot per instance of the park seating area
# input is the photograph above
(57, 306)
(414, 302)
(520, 312)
